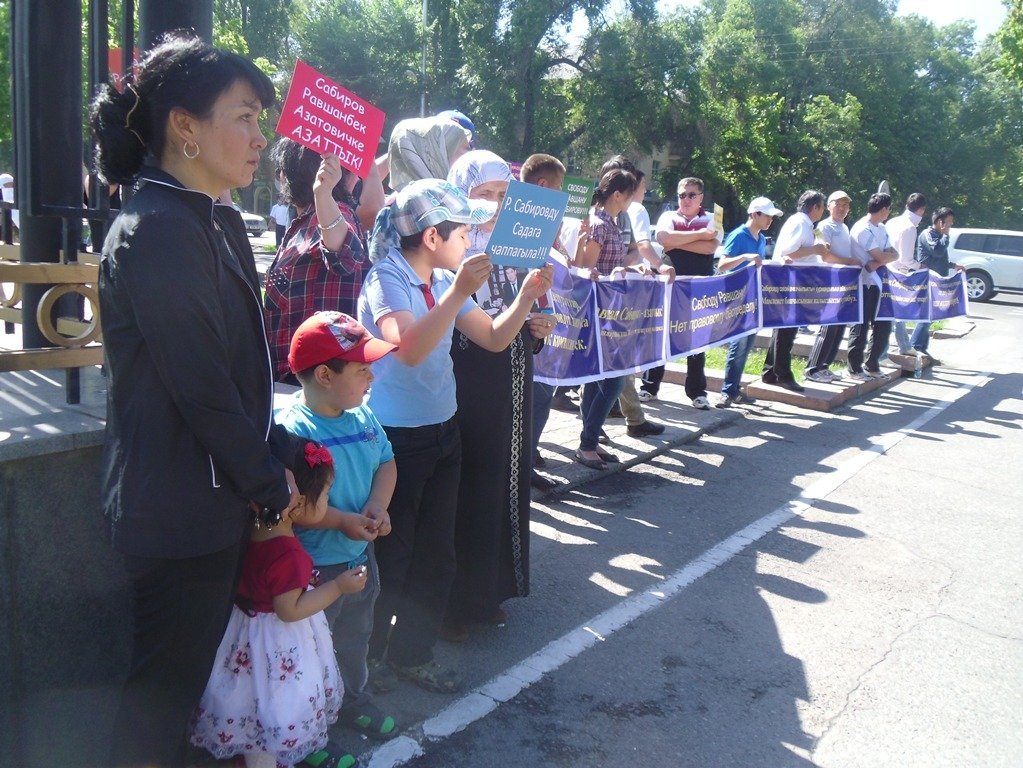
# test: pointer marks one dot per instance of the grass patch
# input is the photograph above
(715, 359)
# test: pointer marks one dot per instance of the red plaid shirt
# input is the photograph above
(604, 231)
(305, 278)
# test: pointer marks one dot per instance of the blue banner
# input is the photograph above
(612, 327)
(570, 355)
(903, 297)
(707, 311)
(948, 296)
(526, 225)
(631, 318)
(791, 296)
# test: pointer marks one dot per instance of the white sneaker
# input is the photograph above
(724, 401)
(701, 403)
(645, 397)
(835, 376)
(821, 377)
(860, 376)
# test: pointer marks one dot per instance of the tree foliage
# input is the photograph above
(1010, 38)
(756, 96)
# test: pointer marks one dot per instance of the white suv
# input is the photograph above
(992, 258)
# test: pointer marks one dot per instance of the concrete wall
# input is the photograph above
(64, 613)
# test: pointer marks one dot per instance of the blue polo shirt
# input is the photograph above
(402, 395)
(740, 241)
(358, 445)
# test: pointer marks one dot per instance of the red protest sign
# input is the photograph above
(323, 116)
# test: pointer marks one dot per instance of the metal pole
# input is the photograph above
(422, 67)
(47, 128)
(159, 16)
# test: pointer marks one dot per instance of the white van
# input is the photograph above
(992, 258)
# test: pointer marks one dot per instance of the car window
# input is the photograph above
(971, 241)
(1005, 245)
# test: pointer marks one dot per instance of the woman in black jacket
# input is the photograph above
(191, 449)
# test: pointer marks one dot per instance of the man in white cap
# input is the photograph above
(745, 246)
(835, 233)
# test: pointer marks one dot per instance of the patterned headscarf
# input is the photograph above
(421, 147)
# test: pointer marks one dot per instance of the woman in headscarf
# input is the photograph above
(424, 148)
(494, 416)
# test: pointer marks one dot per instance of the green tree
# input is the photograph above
(1010, 38)
(262, 24)
(370, 47)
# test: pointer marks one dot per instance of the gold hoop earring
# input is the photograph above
(184, 150)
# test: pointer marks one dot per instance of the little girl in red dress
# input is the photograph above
(275, 685)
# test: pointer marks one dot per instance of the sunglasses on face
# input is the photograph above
(689, 195)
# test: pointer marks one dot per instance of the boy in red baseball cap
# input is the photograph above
(331, 354)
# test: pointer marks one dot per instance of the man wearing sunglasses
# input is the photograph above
(689, 239)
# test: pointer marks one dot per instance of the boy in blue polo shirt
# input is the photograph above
(419, 289)
(330, 355)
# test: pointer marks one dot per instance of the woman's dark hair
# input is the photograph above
(298, 166)
(313, 468)
(444, 229)
(615, 180)
(182, 72)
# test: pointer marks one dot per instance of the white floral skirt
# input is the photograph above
(275, 688)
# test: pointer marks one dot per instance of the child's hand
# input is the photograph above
(472, 274)
(379, 516)
(358, 527)
(353, 580)
(537, 283)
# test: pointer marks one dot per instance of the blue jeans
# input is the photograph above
(738, 351)
(901, 335)
(921, 336)
(598, 397)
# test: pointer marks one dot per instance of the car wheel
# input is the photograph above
(979, 286)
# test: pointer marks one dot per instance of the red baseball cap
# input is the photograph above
(334, 336)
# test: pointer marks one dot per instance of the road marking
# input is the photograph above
(481, 701)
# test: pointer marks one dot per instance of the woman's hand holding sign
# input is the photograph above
(537, 282)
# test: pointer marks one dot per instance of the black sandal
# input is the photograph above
(369, 720)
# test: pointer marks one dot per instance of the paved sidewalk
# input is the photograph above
(683, 424)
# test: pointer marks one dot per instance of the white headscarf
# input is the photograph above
(470, 171)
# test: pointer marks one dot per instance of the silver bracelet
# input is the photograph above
(332, 224)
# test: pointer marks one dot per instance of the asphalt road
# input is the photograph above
(798, 589)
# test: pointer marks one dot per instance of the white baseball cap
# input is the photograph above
(838, 194)
(763, 205)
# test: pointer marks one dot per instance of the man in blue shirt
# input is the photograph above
(745, 246)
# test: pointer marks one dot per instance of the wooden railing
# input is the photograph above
(76, 341)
